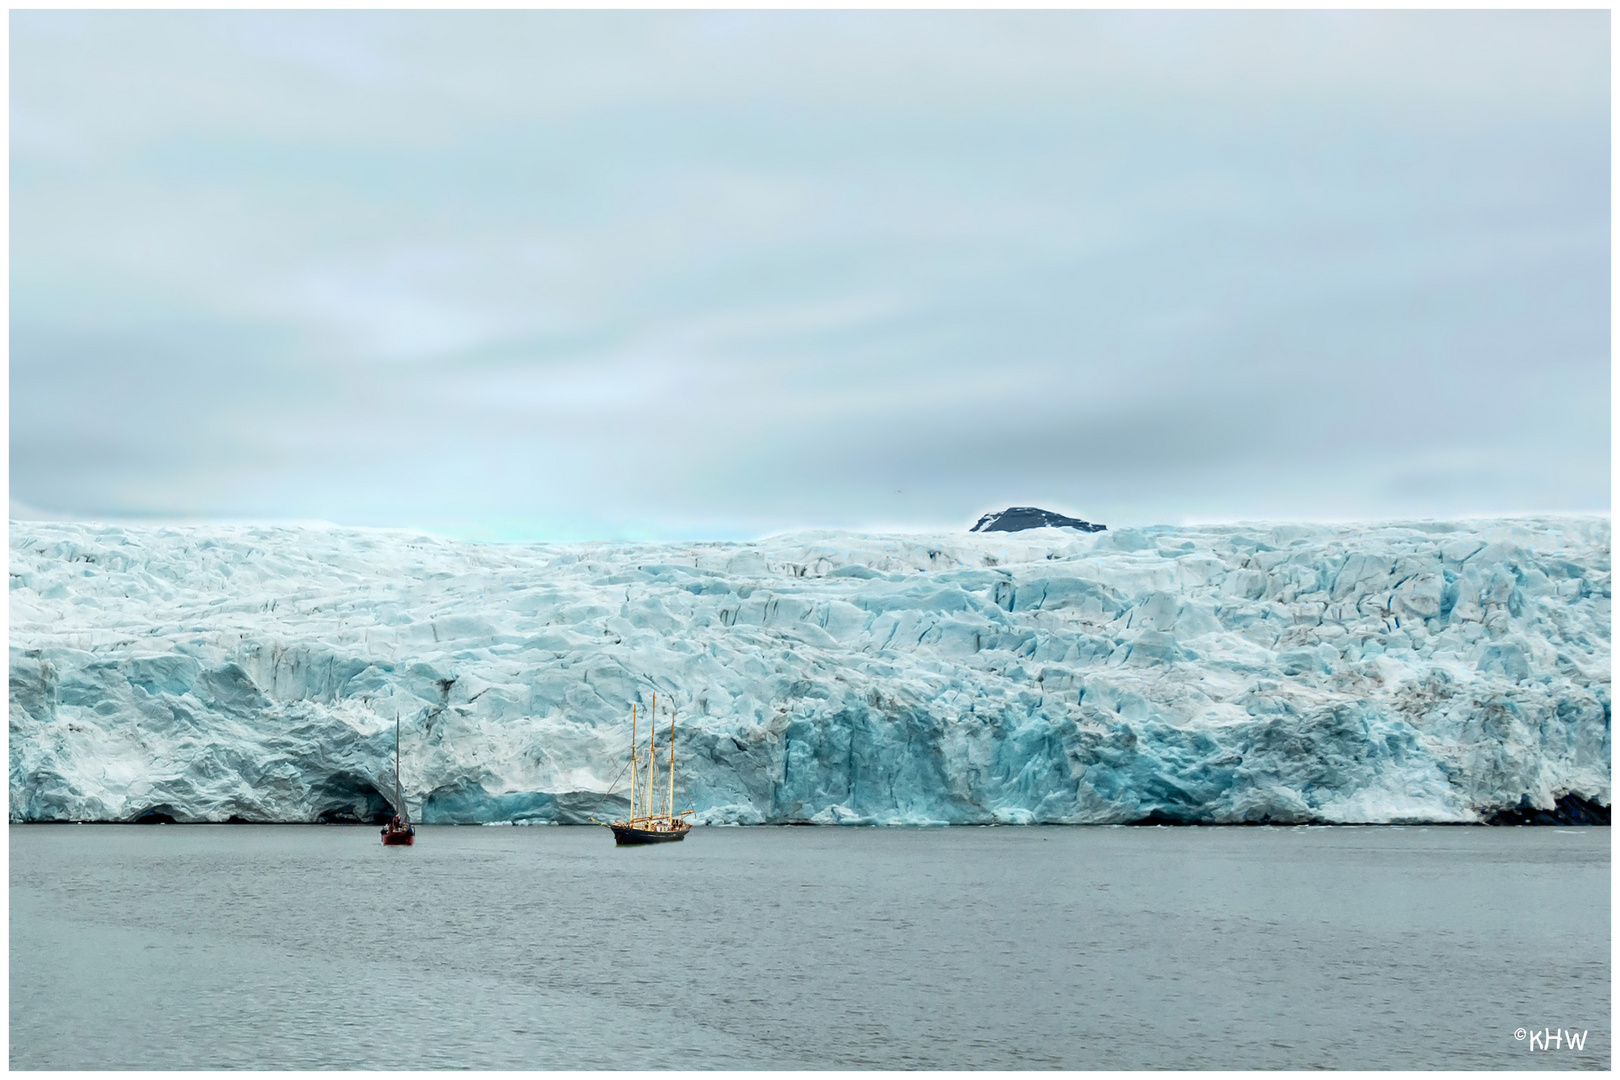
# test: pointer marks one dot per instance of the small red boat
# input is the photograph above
(399, 832)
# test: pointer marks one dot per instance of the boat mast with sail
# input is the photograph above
(399, 832)
(647, 824)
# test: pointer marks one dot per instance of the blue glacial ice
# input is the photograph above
(1390, 672)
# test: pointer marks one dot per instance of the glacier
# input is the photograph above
(1392, 672)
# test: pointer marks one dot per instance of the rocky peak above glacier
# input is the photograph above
(1019, 518)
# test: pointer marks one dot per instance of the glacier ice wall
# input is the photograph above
(1376, 673)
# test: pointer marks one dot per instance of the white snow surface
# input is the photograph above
(1391, 672)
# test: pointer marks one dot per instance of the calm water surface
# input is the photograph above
(165, 947)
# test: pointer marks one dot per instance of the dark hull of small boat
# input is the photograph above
(403, 838)
(624, 835)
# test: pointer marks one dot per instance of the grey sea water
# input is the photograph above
(166, 947)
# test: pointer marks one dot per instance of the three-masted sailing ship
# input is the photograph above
(652, 820)
(399, 832)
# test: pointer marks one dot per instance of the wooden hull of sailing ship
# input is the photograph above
(398, 838)
(628, 834)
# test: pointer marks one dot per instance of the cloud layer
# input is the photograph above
(564, 275)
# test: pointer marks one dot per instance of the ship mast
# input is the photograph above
(632, 763)
(399, 792)
(670, 813)
(652, 756)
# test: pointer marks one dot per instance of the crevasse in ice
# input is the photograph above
(1396, 672)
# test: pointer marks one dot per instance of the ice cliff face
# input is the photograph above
(1382, 673)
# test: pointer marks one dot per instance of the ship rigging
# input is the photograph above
(399, 832)
(652, 819)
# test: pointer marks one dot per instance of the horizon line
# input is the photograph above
(878, 528)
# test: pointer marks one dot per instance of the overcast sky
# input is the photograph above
(611, 275)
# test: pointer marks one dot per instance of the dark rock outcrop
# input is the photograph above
(1018, 518)
(1568, 810)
